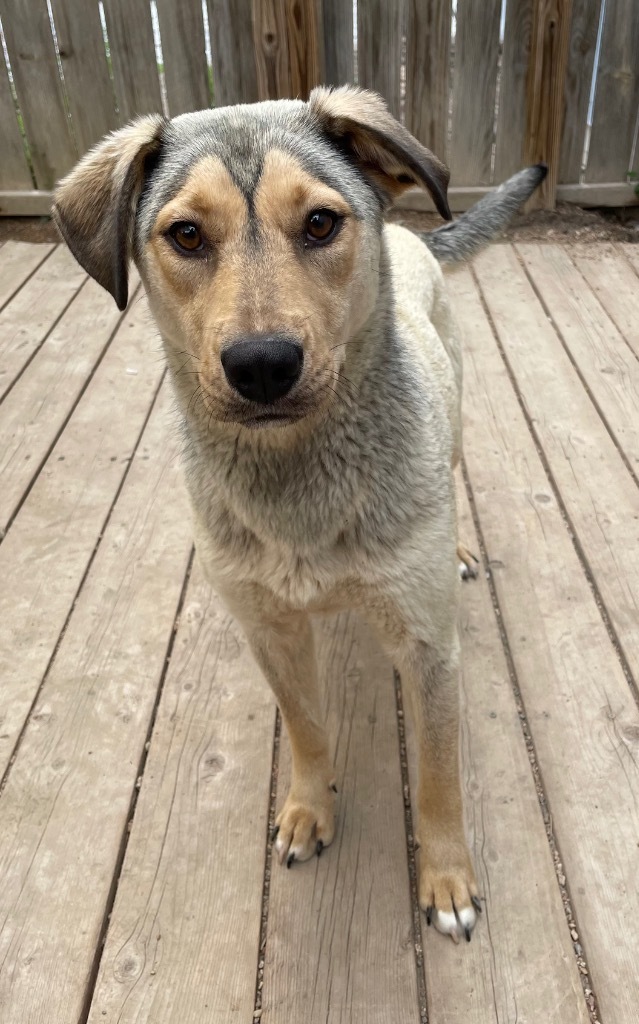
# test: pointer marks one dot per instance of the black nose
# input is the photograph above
(263, 368)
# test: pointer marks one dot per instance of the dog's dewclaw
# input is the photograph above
(468, 563)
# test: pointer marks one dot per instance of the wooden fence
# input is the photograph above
(487, 86)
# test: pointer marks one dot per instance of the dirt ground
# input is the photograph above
(566, 223)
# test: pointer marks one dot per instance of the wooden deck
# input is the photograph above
(141, 752)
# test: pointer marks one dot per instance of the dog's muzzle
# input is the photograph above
(263, 368)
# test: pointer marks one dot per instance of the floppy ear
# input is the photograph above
(94, 206)
(386, 152)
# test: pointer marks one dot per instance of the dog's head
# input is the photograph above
(256, 230)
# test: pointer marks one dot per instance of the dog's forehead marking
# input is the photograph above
(209, 191)
(287, 188)
(284, 190)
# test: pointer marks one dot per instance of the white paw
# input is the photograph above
(459, 924)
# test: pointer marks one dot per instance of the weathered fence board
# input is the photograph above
(617, 96)
(511, 116)
(427, 72)
(379, 47)
(86, 73)
(271, 49)
(184, 55)
(547, 71)
(474, 88)
(39, 89)
(581, 57)
(339, 47)
(305, 47)
(132, 48)
(234, 71)
(15, 169)
(482, 103)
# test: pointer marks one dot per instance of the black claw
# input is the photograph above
(290, 859)
(319, 847)
(333, 787)
(476, 903)
(274, 832)
(467, 934)
(429, 916)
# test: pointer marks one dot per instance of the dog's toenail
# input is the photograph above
(333, 787)
(290, 859)
(429, 915)
(319, 847)
(467, 934)
(274, 832)
(476, 903)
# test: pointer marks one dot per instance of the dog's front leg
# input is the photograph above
(447, 886)
(283, 648)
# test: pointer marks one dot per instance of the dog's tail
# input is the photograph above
(462, 238)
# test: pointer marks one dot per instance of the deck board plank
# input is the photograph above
(522, 935)
(195, 860)
(35, 410)
(19, 260)
(65, 806)
(615, 283)
(606, 363)
(45, 553)
(344, 919)
(28, 318)
(599, 494)
(631, 252)
(583, 719)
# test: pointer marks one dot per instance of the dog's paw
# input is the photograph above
(305, 825)
(468, 563)
(449, 897)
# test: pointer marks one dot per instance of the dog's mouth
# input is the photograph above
(270, 419)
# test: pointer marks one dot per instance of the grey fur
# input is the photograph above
(463, 238)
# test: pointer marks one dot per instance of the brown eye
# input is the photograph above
(321, 225)
(186, 236)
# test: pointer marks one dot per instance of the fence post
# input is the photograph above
(550, 42)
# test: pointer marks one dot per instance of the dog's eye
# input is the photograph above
(321, 226)
(186, 236)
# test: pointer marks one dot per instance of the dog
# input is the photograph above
(317, 370)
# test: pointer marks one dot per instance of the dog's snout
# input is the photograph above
(263, 368)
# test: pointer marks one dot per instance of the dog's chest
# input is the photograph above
(294, 536)
(306, 530)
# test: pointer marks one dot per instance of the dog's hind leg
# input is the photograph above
(282, 644)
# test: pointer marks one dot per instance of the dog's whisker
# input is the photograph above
(348, 387)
